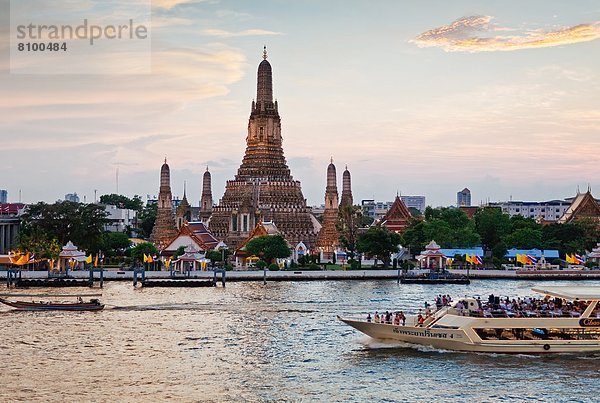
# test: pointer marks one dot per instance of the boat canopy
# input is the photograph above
(571, 293)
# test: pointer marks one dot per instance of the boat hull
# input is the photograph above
(459, 340)
(41, 306)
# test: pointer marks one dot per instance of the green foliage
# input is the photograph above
(42, 246)
(261, 264)
(146, 218)
(365, 221)
(314, 266)
(268, 247)
(354, 264)
(449, 227)
(214, 256)
(179, 251)
(114, 243)
(273, 267)
(379, 243)
(302, 260)
(138, 251)
(493, 225)
(83, 224)
(123, 201)
(525, 238)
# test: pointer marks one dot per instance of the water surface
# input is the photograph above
(279, 342)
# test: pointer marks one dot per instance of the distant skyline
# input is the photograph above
(419, 98)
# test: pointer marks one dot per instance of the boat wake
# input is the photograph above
(374, 344)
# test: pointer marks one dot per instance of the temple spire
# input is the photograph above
(264, 93)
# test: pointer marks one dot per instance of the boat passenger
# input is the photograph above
(403, 318)
(368, 317)
(376, 318)
(420, 320)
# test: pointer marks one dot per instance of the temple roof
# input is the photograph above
(398, 216)
(583, 205)
(261, 229)
(198, 233)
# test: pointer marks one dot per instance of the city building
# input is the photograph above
(547, 211)
(10, 222)
(377, 209)
(263, 188)
(164, 227)
(328, 238)
(72, 197)
(3, 196)
(463, 198)
(119, 219)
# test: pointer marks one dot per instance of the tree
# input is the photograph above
(524, 238)
(141, 249)
(146, 219)
(567, 238)
(492, 225)
(83, 224)
(114, 243)
(123, 201)
(379, 243)
(349, 221)
(268, 247)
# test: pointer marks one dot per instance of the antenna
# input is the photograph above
(117, 180)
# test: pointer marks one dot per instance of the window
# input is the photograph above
(234, 222)
(245, 223)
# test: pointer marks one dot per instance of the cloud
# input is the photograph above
(248, 32)
(168, 4)
(476, 34)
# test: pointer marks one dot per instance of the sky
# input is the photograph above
(415, 97)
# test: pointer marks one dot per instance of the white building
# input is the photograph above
(550, 210)
(119, 218)
(378, 209)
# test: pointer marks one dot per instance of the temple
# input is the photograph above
(583, 206)
(183, 213)
(206, 200)
(346, 199)
(328, 238)
(164, 226)
(263, 189)
(398, 216)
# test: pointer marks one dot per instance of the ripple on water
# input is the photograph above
(266, 343)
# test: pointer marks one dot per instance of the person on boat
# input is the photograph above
(376, 317)
(368, 317)
(420, 320)
(80, 300)
(403, 318)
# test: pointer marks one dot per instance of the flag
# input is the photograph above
(145, 258)
(449, 261)
(31, 258)
(96, 261)
(522, 259)
(476, 259)
(531, 259)
(24, 259)
(468, 258)
(569, 259)
(579, 259)
(88, 259)
(167, 263)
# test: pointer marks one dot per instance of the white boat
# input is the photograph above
(570, 323)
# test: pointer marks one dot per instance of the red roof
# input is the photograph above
(11, 208)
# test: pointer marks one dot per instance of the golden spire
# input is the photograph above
(265, 52)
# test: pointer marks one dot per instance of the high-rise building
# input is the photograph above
(463, 198)
(164, 226)
(328, 238)
(3, 196)
(263, 189)
(72, 197)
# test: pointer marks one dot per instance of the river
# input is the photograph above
(279, 342)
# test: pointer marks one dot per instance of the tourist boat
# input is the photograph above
(92, 305)
(465, 326)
